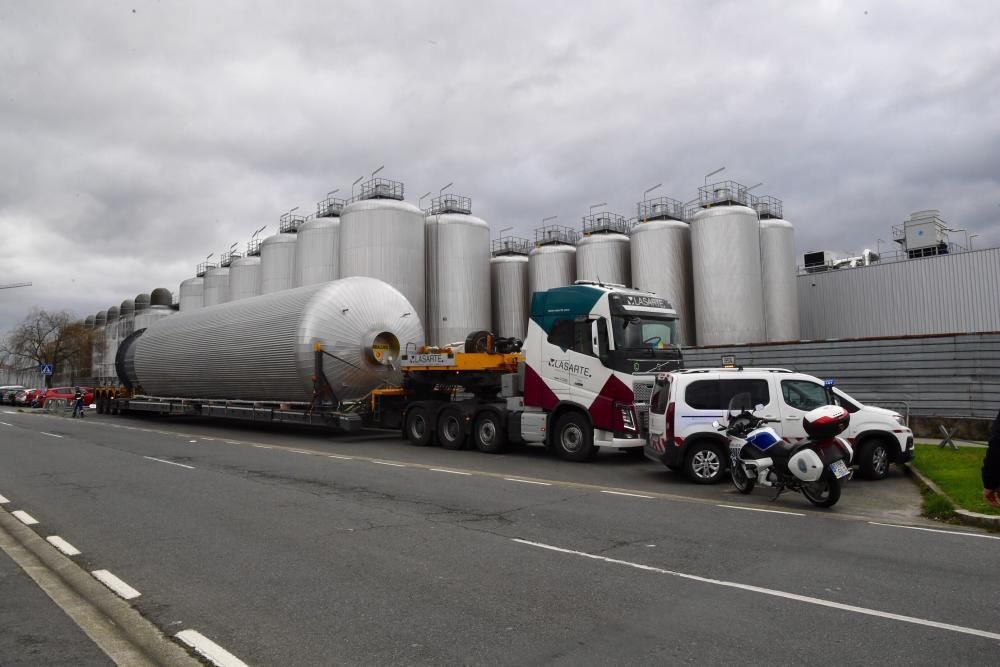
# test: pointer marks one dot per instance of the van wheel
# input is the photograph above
(488, 433)
(418, 428)
(573, 439)
(874, 459)
(704, 463)
(451, 429)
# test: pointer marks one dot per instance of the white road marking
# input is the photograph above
(935, 530)
(774, 593)
(6, 424)
(386, 463)
(212, 651)
(179, 465)
(122, 589)
(622, 493)
(337, 456)
(758, 509)
(450, 472)
(3, 500)
(24, 517)
(52, 434)
(526, 481)
(8, 412)
(299, 451)
(192, 441)
(258, 446)
(62, 545)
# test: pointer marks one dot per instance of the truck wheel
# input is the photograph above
(488, 433)
(573, 439)
(418, 427)
(704, 462)
(874, 459)
(450, 429)
(100, 404)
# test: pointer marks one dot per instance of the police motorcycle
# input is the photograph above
(814, 467)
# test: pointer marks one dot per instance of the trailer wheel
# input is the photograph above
(100, 404)
(489, 433)
(418, 428)
(573, 439)
(451, 429)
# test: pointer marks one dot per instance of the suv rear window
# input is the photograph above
(716, 394)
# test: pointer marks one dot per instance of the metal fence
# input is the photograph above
(930, 376)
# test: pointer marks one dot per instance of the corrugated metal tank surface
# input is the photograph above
(384, 239)
(549, 266)
(277, 263)
(661, 263)
(604, 257)
(458, 277)
(192, 294)
(725, 269)
(111, 340)
(244, 278)
(317, 259)
(261, 348)
(781, 299)
(509, 286)
(216, 286)
(957, 293)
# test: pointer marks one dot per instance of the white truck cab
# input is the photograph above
(684, 404)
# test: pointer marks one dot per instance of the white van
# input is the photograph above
(685, 403)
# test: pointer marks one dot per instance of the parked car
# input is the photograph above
(8, 392)
(685, 403)
(66, 394)
(26, 398)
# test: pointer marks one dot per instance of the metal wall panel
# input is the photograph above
(941, 376)
(957, 293)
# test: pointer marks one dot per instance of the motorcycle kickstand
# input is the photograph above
(780, 490)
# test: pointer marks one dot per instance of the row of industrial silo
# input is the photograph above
(112, 326)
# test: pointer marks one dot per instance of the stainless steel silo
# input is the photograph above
(141, 302)
(89, 322)
(244, 278)
(457, 246)
(97, 354)
(192, 294)
(216, 286)
(777, 256)
(126, 318)
(725, 268)
(111, 340)
(317, 256)
(262, 348)
(602, 253)
(277, 263)
(509, 287)
(552, 262)
(161, 296)
(661, 259)
(382, 237)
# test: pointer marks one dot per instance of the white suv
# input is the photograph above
(685, 403)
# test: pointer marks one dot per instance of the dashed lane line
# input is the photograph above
(389, 463)
(338, 456)
(6, 424)
(209, 649)
(759, 509)
(935, 530)
(179, 465)
(54, 435)
(623, 493)
(24, 517)
(527, 481)
(3, 500)
(119, 587)
(771, 592)
(62, 545)
(450, 472)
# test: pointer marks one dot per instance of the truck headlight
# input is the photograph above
(628, 420)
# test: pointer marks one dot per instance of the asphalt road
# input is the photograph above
(295, 547)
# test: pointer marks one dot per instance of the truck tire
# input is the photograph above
(451, 429)
(573, 438)
(704, 462)
(873, 458)
(489, 432)
(418, 427)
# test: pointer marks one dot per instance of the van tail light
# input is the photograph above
(668, 428)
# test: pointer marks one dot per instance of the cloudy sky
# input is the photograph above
(136, 137)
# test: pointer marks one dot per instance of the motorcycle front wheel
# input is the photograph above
(824, 492)
(742, 482)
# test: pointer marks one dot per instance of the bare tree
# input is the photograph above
(50, 338)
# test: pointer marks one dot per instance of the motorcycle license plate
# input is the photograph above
(839, 469)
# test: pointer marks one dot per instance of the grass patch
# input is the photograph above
(936, 506)
(959, 475)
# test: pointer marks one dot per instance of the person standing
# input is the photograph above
(991, 467)
(77, 402)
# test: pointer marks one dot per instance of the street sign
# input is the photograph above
(45, 369)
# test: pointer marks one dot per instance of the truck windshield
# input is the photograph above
(633, 332)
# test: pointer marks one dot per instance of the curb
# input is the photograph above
(966, 517)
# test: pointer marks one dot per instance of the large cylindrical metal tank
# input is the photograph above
(781, 298)
(244, 278)
(549, 266)
(141, 302)
(161, 296)
(604, 257)
(725, 269)
(509, 288)
(384, 239)
(277, 263)
(661, 263)
(97, 353)
(111, 340)
(126, 318)
(458, 276)
(216, 286)
(192, 294)
(262, 348)
(317, 258)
